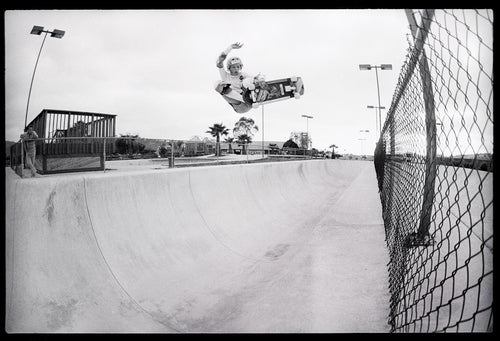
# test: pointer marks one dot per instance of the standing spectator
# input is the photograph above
(30, 145)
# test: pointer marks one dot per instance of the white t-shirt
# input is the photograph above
(235, 81)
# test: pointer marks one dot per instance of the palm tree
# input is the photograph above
(216, 131)
(229, 140)
(333, 150)
(244, 140)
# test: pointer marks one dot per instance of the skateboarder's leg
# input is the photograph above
(229, 94)
(233, 95)
(241, 108)
(30, 162)
(238, 106)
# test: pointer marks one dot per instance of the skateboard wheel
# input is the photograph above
(297, 96)
(293, 79)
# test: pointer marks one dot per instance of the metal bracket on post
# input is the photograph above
(422, 236)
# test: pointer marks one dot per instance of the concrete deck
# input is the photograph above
(292, 246)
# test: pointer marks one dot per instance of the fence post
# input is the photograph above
(422, 236)
(22, 158)
(392, 144)
(104, 155)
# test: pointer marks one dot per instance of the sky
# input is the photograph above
(155, 69)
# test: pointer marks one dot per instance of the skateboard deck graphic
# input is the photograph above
(274, 90)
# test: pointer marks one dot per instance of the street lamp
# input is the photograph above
(307, 128)
(37, 30)
(379, 126)
(381, 67)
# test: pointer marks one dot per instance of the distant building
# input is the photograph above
(270, 147)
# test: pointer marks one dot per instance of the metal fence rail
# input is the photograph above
(435, 173)
(63, 146)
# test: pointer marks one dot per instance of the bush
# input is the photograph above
(163, 151)
(127, 146)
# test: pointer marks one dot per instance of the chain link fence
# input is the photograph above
(434, 163)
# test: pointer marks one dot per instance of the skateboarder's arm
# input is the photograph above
(221, 59)
(224, 54)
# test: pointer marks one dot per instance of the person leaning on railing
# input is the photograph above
(28, 138)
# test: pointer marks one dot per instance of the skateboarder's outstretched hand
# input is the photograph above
(236, 45)
(224, 53)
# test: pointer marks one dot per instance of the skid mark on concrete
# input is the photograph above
(49, 207)
(60, 314)
(278, 251)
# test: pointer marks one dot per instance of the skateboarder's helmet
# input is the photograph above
(233, 61)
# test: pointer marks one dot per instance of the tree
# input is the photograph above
(229, 140)
(244, 130)
(290, 144)
(244, 140)
(333, 150)
(301, 139)
(245, 126)
(128, 145)
(163, 151)
(216, 131)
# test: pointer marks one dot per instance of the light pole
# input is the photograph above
(37, 30)
(381, 67)
(307, 127)
(377, 126)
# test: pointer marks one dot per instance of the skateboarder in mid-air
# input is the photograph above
(244, 92)
(231, 85)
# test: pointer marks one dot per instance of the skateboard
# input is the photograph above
(264, 92)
